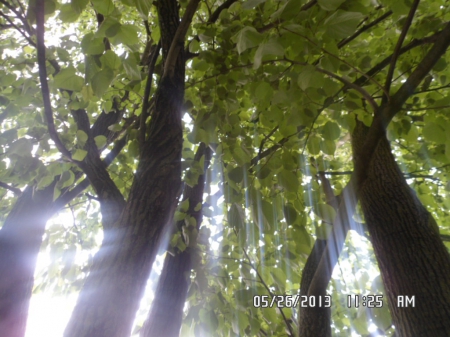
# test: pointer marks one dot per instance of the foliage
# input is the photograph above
(264, 89)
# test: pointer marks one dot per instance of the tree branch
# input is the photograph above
(341, 224)
(397, 48)
(364, 28)
(15, 190)
(43, 79)
(65, 198)
(215, 15)
(347, 83)
(178, 40)
(148, 88)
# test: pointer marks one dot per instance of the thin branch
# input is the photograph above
(271, 25)
(17, 14)
(215, 15)
(338, 58)
(266, 138)
(377, 130)
(288, 325)
(347, 83)
(178, 40)
(15, 190)
(398, 46)
(364, 28)
(43, 79)
(30, 41)
(381, 65)
(428, 108)
(148, 88)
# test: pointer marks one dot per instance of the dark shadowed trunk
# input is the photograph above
(20, 240)
(166, 313)
(411, 256)
(314, 321)
(110, 297)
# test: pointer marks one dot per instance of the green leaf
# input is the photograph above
(101, 81)
(56, 192)
(236, 174)
(92, 45)
(184, 205)
(249, 4)
(115, 127)
(331, 131)
(247, 38)
(69, 80)
(290, 214)
(132, 69)
(330, 5)
(67, 14)
(44, 182)
(434, 133)
(325, 212)
(263, 91)
(79, 154)
(110, 60)
(128, 35)
(194, 46)
(22, 147)
(100, 141)
(133, 148)
(342, 24)
(82, 137)
(66, 179)
(288, 180)
(271, 47)
(382, 317)
(104, 7)
(305, 77)
(79, 5)
(314, 145)
(241, 156)
(236, 217)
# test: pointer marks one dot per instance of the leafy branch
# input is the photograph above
(398, 46)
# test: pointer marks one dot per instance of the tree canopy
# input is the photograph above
(271, 93)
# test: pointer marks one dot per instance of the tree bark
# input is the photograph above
(166, 314)
(411, 256)
(20, 240)
(111, 294)
(313, 321)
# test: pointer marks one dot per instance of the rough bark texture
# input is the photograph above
(166, 313)
(412, 258)
(314, 322)
(110, 297)
(20, 240)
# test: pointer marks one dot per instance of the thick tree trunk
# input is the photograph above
(110, 297)
(314, 321)
(20, 240)
(412, 258)
(166, 314)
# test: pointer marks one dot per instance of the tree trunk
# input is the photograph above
(411, 256)
(111, 294)
(20, 241)
(313, 321)
(166, 314)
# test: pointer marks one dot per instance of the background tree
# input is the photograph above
(276, 89)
